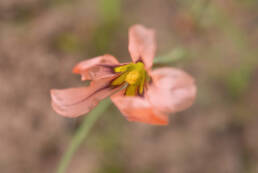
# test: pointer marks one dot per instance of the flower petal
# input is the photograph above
(142, 44)
(74, 102)
(96, 68)
(138, 109)
(172, 90)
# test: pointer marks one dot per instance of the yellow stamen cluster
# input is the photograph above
(134, 75)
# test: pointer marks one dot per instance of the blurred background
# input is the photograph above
(213, 40)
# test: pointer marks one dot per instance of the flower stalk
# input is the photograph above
(81, 134)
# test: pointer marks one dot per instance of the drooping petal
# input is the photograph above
(142, 44)
(74, 102)
(138, 109)
(171, 90)
(96, 68)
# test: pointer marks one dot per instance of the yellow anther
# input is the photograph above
(122, 68)
(141, 85)
(119, 80)
(132, 77)
(131, 90)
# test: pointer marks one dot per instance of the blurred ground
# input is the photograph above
(41, 40)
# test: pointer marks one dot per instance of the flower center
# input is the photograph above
(134, 74)
(132, 77)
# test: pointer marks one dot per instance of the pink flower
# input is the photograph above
(140, 93)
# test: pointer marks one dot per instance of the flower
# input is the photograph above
(140, 93)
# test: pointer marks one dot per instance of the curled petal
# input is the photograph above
(172, 90)
(142, 44)
(138, 109)
(74, 102)
(96, 68)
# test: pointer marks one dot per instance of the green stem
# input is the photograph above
(81, 134)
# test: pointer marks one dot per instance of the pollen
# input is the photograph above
(132, 77)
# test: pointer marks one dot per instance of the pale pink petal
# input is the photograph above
(96, 68)
(142, 44)
(74, 102)
(138, 109)
(171, 90)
